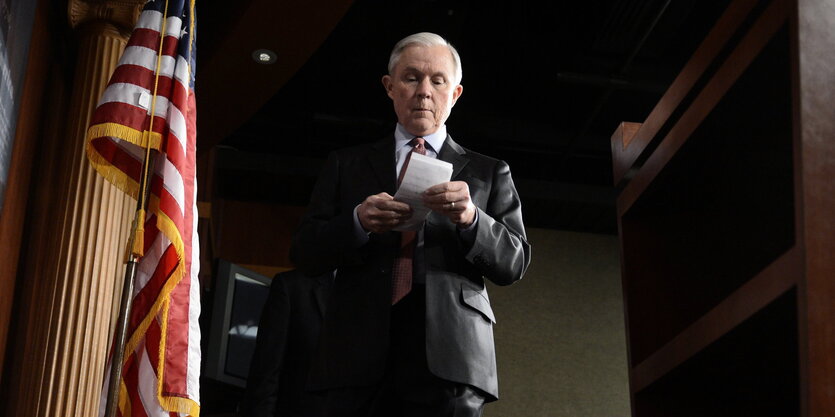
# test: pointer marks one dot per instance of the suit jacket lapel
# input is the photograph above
(383, 164)
(453, 153)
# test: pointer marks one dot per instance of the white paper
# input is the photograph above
(422, 173)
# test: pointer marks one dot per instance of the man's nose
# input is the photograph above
(424, 89)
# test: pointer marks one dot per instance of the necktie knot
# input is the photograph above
(418, 145)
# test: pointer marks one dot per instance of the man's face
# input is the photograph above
(422, 88)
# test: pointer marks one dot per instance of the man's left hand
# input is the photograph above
(451, 199)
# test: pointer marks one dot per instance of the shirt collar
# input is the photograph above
(434, 140)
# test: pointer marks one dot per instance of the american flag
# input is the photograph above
(150, 101)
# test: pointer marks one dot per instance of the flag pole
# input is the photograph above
(135, 251)
(120, 337)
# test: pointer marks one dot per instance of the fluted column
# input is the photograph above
(79, 258)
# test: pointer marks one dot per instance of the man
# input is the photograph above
(287, 335)
(429, 352)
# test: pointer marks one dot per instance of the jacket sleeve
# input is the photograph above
(500, 250)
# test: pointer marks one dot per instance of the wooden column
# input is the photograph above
(76, 261)
(814, 129)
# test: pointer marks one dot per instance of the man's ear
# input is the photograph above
(387, 84)
(456, 93)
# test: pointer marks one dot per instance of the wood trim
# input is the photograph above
(761, 32)
(773, 281)
(806, 270)
(624, 135)
(13, 216)
(624, 157)
(814, 99)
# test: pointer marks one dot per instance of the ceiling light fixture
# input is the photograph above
(264, 56)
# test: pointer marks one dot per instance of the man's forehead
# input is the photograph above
(419, 57)
(411, 69)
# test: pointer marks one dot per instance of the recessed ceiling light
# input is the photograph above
(264, 56)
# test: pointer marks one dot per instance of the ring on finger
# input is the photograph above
(452, 205)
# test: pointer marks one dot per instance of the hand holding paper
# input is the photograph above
(422, 173)
(452, 200)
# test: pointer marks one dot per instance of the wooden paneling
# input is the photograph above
(728, 24)
(13, 216)
(757, 293)
(727, 227)
(815, 131)
(762, 31)
(250, 233)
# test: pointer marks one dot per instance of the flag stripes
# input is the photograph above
(149, 102)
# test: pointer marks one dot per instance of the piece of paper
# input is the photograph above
(422, 173)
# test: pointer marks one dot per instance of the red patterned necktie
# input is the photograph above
(402, 269)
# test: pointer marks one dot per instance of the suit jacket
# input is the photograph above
(459, 319)
(288, 332)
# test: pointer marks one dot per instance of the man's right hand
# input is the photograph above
(379, 213)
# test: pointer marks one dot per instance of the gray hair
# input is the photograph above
(426, 39)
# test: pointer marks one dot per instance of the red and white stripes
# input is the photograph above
(149, 101)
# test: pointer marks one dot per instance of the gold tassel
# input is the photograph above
(139, 234)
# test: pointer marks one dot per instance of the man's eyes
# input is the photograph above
(435, 81)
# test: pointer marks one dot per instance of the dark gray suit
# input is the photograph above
(459, 320)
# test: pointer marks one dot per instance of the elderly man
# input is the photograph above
(409, 328)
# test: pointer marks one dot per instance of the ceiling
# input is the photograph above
(545, 86)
